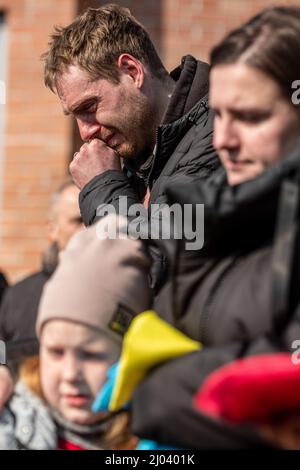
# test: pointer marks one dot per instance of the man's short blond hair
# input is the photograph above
(95, 40)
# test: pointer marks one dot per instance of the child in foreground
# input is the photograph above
(99, 286)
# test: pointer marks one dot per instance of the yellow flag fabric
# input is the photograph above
(148, 342)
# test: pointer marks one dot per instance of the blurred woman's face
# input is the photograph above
(255, 126)
(74, 360)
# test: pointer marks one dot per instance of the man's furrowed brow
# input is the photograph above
(76, 107)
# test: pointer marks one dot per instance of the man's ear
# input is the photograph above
(132, 67)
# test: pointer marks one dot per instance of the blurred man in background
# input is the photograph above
(20, 302)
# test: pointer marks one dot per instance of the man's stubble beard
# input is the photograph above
(139, 129)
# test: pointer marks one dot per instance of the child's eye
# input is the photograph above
(56, 352)
(92, 356)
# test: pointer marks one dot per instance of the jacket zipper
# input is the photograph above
(158, 131)
(155, 152)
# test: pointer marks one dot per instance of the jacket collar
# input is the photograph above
(188, 99)
(86, 436)
(191, 79)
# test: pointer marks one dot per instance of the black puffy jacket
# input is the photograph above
(239, 296)
(183, 151)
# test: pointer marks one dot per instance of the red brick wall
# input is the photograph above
(36, 137)
(39, 139)
(193, 26)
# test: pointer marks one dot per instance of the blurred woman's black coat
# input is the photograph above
(238, 296)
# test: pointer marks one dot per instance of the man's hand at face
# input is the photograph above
(93, 159)
(6, 386)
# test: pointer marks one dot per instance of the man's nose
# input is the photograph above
(88, 130)
(225, 134)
